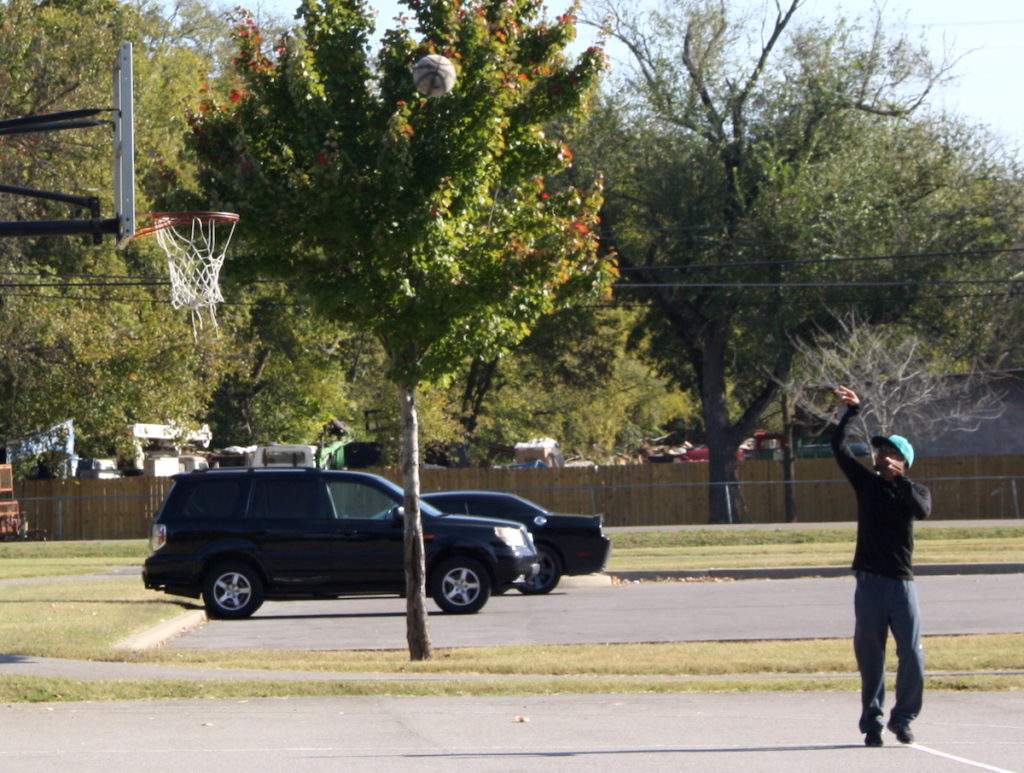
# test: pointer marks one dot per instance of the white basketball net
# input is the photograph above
(194, 258)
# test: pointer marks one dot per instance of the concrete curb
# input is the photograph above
(164, 632)
(599, 580)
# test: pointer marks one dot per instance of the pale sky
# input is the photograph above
(984, 34)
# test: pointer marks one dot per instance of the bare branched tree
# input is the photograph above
(903, 383)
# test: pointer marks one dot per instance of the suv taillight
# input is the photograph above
(157, 537)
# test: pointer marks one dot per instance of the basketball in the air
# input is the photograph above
(433, 75)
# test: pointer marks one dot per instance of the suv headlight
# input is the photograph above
(511, 536)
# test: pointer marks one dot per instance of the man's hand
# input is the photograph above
(846, 395)
(889, 464)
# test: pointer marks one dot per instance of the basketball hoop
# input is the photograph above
(194, 256)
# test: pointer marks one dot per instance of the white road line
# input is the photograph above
(972, 763)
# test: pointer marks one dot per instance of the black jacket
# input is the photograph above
(885, 512)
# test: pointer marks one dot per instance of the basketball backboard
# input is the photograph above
(124, 146)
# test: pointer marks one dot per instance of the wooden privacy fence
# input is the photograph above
(663, 494)
(634, 495)
(119, 508)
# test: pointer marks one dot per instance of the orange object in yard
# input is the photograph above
(11, 523)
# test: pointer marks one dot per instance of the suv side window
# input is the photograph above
(211, 499)
(287, 496)
(358, 500)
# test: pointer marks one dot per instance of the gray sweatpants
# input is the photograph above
(882, 604)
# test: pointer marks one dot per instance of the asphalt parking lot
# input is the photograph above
(635, 612)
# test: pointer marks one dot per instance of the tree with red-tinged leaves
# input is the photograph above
(442, 225)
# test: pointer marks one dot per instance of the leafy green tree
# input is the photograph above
(576, 379)
(754, 184)
(437, 224)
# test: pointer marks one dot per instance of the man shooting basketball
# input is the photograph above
(886, 597)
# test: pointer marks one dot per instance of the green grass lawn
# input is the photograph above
(84, 619)
(704, 549)
(20, 560)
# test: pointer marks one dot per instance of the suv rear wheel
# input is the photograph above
(232, 590)
(460, 585)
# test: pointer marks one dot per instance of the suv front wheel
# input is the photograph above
(460, 585)
(232, 590)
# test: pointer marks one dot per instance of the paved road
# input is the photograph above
(715, 733)
(641, 612)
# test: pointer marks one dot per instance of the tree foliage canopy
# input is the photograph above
(86, 334)
(437, 223)
(756, 184)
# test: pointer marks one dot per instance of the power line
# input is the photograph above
(829, 260)
(109, 299)
(778, 285)
(98, 299)
(137, 283)
(633, 304)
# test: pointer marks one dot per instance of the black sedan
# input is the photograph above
(566, 544)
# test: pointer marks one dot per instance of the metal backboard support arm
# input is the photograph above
(95, 225)
(48, 122)
(123, 131)
(92, 203)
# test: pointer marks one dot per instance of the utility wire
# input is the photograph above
(617, 303)
(777, 285)
(110, 299)
(821, 261)
(138, 283)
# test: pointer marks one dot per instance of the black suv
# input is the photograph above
(239, 536)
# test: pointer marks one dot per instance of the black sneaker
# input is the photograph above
(902, 732)
(873, 738)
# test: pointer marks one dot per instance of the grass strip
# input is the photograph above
(47, 690)
(703, 549)
(796, 536)
(691, 549)
(975, 652)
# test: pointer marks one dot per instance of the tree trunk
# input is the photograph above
(722, 493)
(417, 630)
(788, 456)
(479, 382)
(721, 449)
